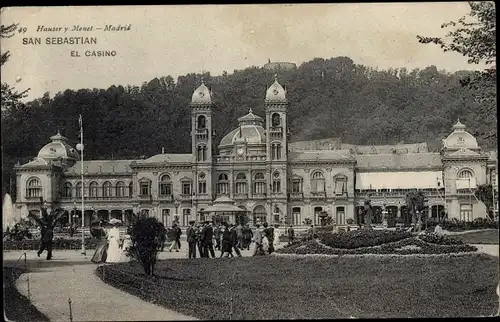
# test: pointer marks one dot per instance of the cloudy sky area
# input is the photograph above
(176, 40)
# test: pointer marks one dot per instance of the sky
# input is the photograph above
(176, 40)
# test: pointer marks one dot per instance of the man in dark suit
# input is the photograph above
(269, 233)
(208, 240)
(191, 239)
(46, 242)
(234, 240)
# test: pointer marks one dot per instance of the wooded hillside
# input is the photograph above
(328, 98)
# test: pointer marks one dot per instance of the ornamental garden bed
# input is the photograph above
(58, 243)
(377, 242)
(276, 287)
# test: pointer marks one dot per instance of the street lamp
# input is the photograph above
(79, 147)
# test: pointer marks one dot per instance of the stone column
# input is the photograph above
(123, 216)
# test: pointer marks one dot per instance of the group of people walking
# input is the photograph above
(110, 248)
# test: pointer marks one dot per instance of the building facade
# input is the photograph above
(256, 168)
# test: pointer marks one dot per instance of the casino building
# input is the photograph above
(256, 168)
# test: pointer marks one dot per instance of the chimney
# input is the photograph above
(162, 150)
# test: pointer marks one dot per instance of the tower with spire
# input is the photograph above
(201, 124)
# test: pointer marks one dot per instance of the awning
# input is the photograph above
(399, 180)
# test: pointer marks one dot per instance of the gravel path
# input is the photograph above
(71, 275)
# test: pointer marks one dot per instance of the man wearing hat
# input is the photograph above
(191, 239)
(207, 239)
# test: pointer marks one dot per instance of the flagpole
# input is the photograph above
(82, 192)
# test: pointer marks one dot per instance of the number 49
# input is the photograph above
(22, 30)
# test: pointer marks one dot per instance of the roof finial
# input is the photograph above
(276, 77)
(202, 81)
(250, 110)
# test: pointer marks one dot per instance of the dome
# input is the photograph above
(202, 95)
(251, 119)
(459, 139)
(250, 130)
(58, 148)
(276, 92)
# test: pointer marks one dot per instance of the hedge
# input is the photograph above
(362, 238)
(460, 225)
(58, 243)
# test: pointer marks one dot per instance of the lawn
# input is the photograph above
(479, 237)
(16, 306)
(273, 287)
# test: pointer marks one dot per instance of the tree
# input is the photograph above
(484, 193)
(10, 97)
(145, 242)
(476, 39)
(415, 201)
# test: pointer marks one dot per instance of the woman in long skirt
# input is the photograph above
(99, 233)
(227, 245)
(126, 244)
(114, 251)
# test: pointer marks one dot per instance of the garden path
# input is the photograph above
(71, 275)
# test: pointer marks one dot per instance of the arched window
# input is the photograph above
(241, 183)
(130, 189)
(275, 120)
(201, 153)
(276, 182)
(165, 185)
(259, 215)
(317, 182)
(202, 122)
(68, 190)
(34, 188)
(106, 189)
(276, 151)
(223, 184)
(93, 187)
(79, 190)
(120, 189)
(202, 184)
(259, 185)
(465, 174)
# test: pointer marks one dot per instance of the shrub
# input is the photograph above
(145, 242)
(350, 221)
(441, 240)
(57, 243)
(362, 238)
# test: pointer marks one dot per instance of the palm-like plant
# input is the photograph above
(47, 220)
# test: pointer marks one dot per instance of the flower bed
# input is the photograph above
(362, 238)
(441, 240)
(460, 225)
(58, 243)
(399, 247)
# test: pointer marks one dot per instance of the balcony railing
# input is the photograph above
(240, 196)
(296, 195)
(185, 197)
(201, 133)
(65, 198)
(259, 196)
(166, 197)
(318, 195)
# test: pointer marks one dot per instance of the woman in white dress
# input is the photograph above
(114, 251)
(276, 240)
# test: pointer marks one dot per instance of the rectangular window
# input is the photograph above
(186, 214)
(340, 187)
(186, 188)
(296, 220)
(259, 188)
(144, 188)
(296, 186)
(223, 188)
(165, 189)
(241, 187)
(276, 186)
(165, 217)
(340, 216)
(202, 187)
(466, 212)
